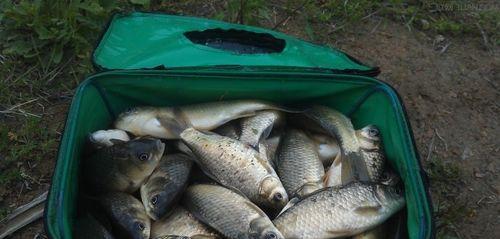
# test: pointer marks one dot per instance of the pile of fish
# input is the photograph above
(236, 169)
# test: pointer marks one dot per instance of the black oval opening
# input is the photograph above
(237, 41)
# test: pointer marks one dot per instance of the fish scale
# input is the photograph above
(339, 211)
(254, 128)
(233, 164)
(299, 166)
(166, 184)
(228, 212)
(182, 223)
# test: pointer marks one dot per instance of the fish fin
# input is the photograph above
(289, 109)
(354, 168)
(177, 124)
(181, 146)
(325, 179)
(256, 147)
(117, 141)
(267, 131)
(290, 204)
(336, 163)
(338, 233)
(368, 210)
(347, 172)
(201, 237)
(243, 115)
(174, 126)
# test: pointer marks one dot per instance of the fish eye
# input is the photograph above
(129, 110)
(398, 191)
(278, 197)
(140, 226)
(143, 156)
(154, 200)
(270, 235)
(373, 132)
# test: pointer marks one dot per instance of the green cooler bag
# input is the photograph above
(165, 60)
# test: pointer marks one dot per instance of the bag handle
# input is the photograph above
(237, 41)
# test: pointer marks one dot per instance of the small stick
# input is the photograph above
(442, 139)
(431, 147)
(444, 48)
(285, 19)
(376, 27)
(483, 34)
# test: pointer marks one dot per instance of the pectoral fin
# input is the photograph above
(338, 233)
(368, 210)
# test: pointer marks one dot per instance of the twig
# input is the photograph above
(444, 48)
(442, 139)
(285, 19)
(480, 200)
(240, 12)
(431, 147)
(371, 14)
(483, 34)
(56, 71)
(12, 110)
(21, 104)
(376, 27)
(407, 24)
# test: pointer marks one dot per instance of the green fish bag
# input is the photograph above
(165, 60)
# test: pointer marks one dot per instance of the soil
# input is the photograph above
(452, 98)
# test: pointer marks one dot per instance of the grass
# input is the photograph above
(446, 186)
(45, 51)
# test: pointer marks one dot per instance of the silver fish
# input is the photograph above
(168, 122)
(124, 166)
(340, 211)
(336, 124)
(371, 147)
(256, 128)
(230, 213)
(182, 223)
(327, 146)
(299, 166)
(237, 165)
(166, 184)
(106, 138)
(127, 215)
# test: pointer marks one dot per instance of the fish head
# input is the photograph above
(143, 153)
(391, 197)
(273, 192)
(157, 197)
(142, 121)
(138, 227)
(263, 228)
(369, 137)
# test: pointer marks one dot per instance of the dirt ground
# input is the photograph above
(450, 86)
